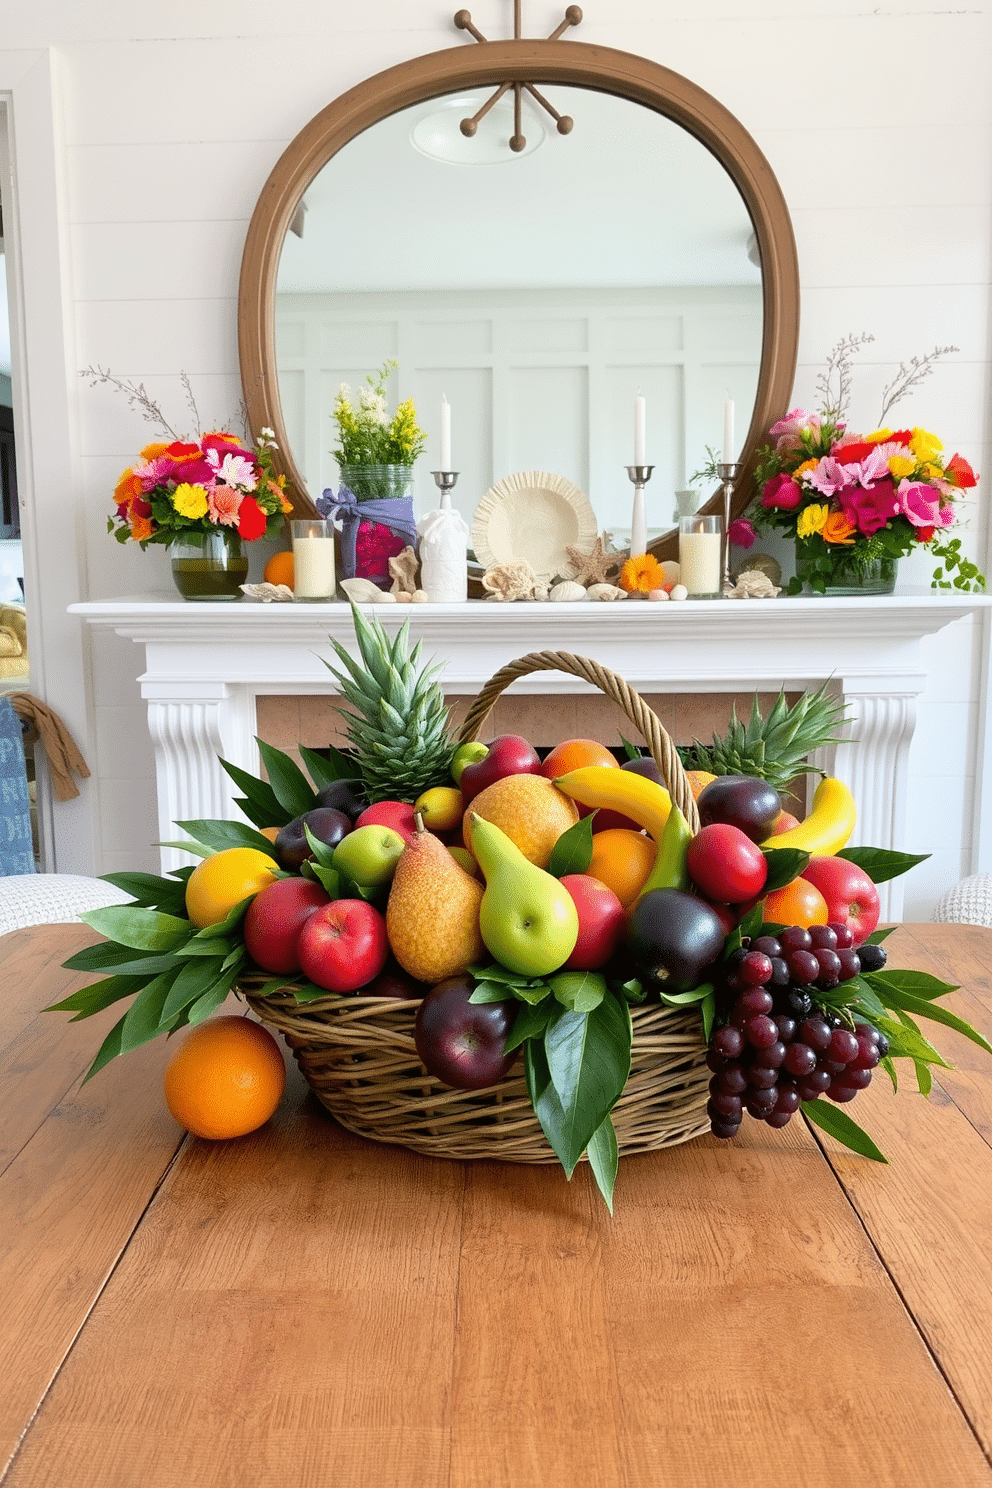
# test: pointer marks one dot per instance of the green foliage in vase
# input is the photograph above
(366, 434)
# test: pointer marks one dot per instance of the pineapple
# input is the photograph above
(775, 748)
(399, 726)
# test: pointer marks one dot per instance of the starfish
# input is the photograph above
(595, 566)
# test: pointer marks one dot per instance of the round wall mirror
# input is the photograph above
(538, 291)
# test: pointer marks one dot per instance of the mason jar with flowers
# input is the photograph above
(376, 454)
(856, 503)
(203, 499)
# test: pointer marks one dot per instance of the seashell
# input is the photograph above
(403, 571)
(753, 583)
(605, 593)
(672, 571)
(760, 563)
(419, 596)
(658, 594)
(679, 592)
(509, 581)
(401, 596)
(566, 592)
(267, 593)
(363, 591)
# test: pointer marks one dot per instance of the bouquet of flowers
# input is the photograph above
(367, 435)
(855, 501)
(211, 484)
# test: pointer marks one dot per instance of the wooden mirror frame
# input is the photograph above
(573, 64)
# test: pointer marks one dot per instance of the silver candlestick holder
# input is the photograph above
(727, 474)
(639, 475)
(445, 481)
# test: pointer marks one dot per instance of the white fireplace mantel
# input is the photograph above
(205, 664)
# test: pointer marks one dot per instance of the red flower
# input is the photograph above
(924, 534)
(781, 491)
(181, 451)
(959, 472)
(225, 444)
(853, 454)
(251, 519)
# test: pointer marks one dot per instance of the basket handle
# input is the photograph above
(659, 742)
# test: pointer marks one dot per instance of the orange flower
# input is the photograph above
(152, 451)
(838, 530)
(642, 574)
(141, 527)
(127, 488)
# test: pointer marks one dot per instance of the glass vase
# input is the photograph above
(375, 541)
(849, 579)
(377, 482)
(208, 565)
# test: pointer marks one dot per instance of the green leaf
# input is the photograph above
(220, 835)
(97, 996)
(588, 1057)
(328, 878)
(890, 1069)
(924, 1079)
(750, 925)
(784, 864)
(858, 994)
(491, 992)
(141, 929)
(266, 810)
(497, 973)
(529, 1023)
(292, 789)
(195, 849)
(323, 854)
(100, 957)
(686, 999)
(209, 1002)
(604, 1159)
(547, 1106)
(303, 990)
(632, 991)
(907, 1042)
(877, 936)
(908, 983)
(146, 888)
(192, 980)
(926, 1009)
(630, 750)
(879, 863)
(109, 1049)
(839, 1125)
(143, 1020)
(708, 1011)
(580, 991)
(326, 771)
(572, 853)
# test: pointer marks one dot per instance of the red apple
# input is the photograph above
(395, 814)
(852, 898)
(601, 921)
(343, 945)
(462, 1043)
(508, 755)
(275, 919)
(725, 864)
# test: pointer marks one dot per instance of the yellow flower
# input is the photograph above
(924, 446)
(641, 574)
(901, 465)
(878, 437)
(933, 472)
(811, 519)
(190, 501)
(801, 470)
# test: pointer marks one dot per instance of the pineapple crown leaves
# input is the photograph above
(775, 748)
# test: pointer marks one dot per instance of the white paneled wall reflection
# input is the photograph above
(537, 380)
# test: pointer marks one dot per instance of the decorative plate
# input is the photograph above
(534, 516)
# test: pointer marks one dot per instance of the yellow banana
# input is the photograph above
(645, 802)
(829, 824)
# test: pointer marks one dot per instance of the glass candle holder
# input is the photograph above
(701, 555)
(313, 561)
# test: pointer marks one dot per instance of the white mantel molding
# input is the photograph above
(206, 663)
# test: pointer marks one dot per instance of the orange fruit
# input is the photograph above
(225, 1079)
(225, 878)
(622, 859)
(574, 754)
(698, 781)
(271, 832)
(529, 809)
(279, 569)
(795, 905)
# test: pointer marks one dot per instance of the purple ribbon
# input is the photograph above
(394, 512)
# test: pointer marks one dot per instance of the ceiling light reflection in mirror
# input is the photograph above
(539, 292)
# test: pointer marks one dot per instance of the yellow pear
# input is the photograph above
(432, 915)
(529, 810)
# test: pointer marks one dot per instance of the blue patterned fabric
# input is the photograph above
(16, 851)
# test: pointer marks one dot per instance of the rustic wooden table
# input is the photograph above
(304, 1309)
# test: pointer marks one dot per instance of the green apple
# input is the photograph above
(467, 754)
(527, 918)
(368, 855)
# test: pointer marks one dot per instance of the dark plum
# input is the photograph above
(344, 795)
(326, 823)
(672, 937)
(742, 801)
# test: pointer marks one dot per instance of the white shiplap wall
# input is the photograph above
(162, 123)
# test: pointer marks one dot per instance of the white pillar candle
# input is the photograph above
(640, 430)
(313, 560)
(728, 432)
(701, 555)
(445, 434)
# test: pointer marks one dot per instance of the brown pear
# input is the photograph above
(432, 916)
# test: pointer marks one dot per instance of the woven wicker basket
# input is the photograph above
(358, 1055)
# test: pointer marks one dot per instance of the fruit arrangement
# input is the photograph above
(476, 951)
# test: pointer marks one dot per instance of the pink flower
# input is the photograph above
(829, 477)
(781, 491)
(741, 534)
(233, 469)
(223, 505)
(155, 472)
(920, 504)
(787, 431)
(869, 509)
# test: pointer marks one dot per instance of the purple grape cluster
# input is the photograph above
(780, 1045)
